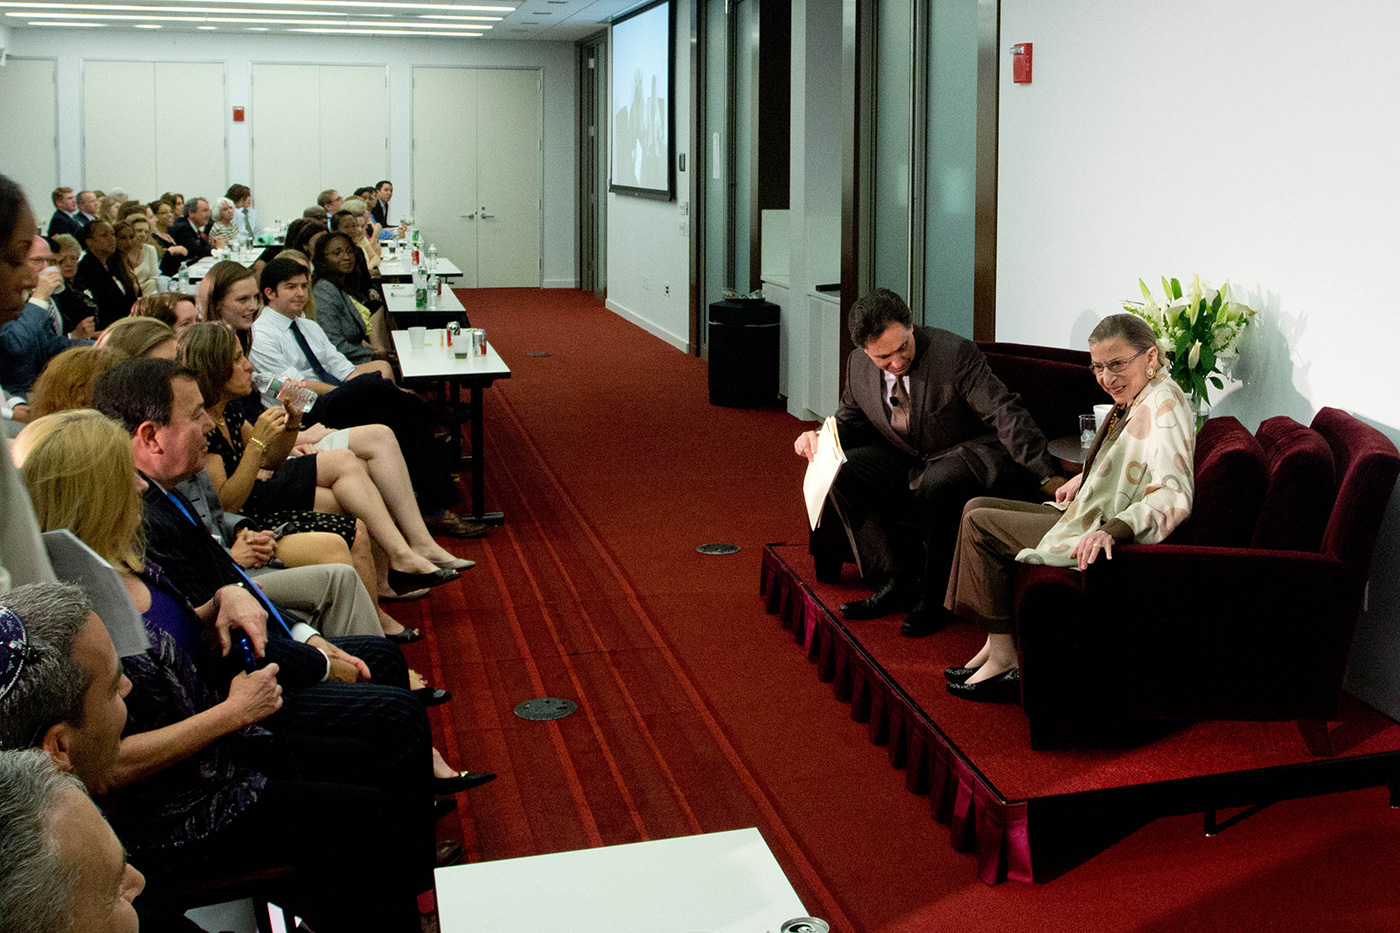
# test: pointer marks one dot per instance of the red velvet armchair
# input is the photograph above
(1255, 630)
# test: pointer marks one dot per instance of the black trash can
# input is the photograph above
(743, 353)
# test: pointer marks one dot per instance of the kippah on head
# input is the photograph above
(14, 646)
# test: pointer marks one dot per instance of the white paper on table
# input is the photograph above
(74, 562)
(821, 472)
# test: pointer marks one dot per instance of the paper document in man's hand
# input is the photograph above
(821, 472)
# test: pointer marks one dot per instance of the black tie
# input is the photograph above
(315, 364)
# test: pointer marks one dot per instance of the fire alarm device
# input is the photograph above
(237, 114)
(1021, 63)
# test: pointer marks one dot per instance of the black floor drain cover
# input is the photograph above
(545, 708)
(718, 549)
(538, 354)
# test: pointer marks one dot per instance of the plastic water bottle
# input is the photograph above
(432, 296)
(296, 399)
(432, 257)
(184, 278)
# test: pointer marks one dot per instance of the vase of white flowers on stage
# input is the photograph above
(1197, 332)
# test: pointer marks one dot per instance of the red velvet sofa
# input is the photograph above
(1245, 613)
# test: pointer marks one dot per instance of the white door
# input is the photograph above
(508, 171)
(444, 164)
(476, 171)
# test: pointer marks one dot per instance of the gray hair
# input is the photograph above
(52, 686)
(36, 886)
(355, 206)
(1133, 329)
(192, 205)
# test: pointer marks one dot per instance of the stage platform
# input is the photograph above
(1030, 816)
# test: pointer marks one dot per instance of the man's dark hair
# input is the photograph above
(11, 204)
(280, 270)
(315, 213)
(236, 193)
(138, 391)
(52, 685)
(382, 183)
(872, 315)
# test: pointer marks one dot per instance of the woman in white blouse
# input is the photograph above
(1137, 486)
(141, 256)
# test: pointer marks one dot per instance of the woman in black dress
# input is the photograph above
(102, 273)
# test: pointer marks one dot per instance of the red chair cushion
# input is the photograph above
(1301, 488)
(1230, 483)
(1366, 465)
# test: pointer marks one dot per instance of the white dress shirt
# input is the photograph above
(245, 221)
(275, 350)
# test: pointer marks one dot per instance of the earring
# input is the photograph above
(1151, 372)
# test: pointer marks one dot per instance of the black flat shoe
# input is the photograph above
(463, 780)
(894, 595)
(958, 675)
(1003, 688)
(926, 619)
(448, 852)
(432, 696)
(401, 581)
(406, 637)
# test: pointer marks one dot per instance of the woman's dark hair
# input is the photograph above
(12, 204)
(300, 232)
(117, 264)
(209, 350)
(86, 232)
(322, 265)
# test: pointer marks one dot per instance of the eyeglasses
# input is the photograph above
(1115, 366)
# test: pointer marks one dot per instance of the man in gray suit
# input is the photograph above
(925, 426)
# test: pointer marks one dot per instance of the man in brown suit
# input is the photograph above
(926, 426)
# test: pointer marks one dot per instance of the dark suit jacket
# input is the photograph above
(196, 242)
(63, 222)
(113, 301)
(958, 407)
(380, 213)
(198, 566)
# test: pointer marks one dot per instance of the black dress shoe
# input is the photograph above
(927, 618)
(463, 780)
(406, 637)
(432, 696)
(449, 852)
(958, 675)
(1003, 688)
(401, 581)
(890, 597)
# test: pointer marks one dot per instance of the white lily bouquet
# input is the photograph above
(1196, 334)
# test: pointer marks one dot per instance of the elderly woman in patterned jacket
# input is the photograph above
(1137, 486)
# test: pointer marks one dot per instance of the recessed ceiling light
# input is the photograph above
(74, 25)
(389, 32)
(206, 27)
(493, 19)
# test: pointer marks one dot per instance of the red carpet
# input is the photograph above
(697, 714)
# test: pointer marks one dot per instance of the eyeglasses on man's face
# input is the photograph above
(1115, 366)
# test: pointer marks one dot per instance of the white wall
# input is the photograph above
(239, 52)
(1248, 141)
(647, 249)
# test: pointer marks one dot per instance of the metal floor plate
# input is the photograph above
(718, 549)
(545, 708)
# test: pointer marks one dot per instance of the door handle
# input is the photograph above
(470, 216)
(485, 215)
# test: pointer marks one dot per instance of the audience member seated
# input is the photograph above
(107, 208)
(1139, 487)
(341, 308)
(87, 207)
(163, 214)
(317, 214)
(61, 866)
(174, 309)
(177, 201)
(330, 201)
(191, 232)
(65, 209)
(194, 790)
(229, 293)
(286, 344)
(102, 273)
(79, 311)
(135, 338)
(245, 220)
(141, 256)
(67, 381)
(35, 337)
(303, 233)
(383, 193)
(334, 481)
(223, 227)
(352, 221)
